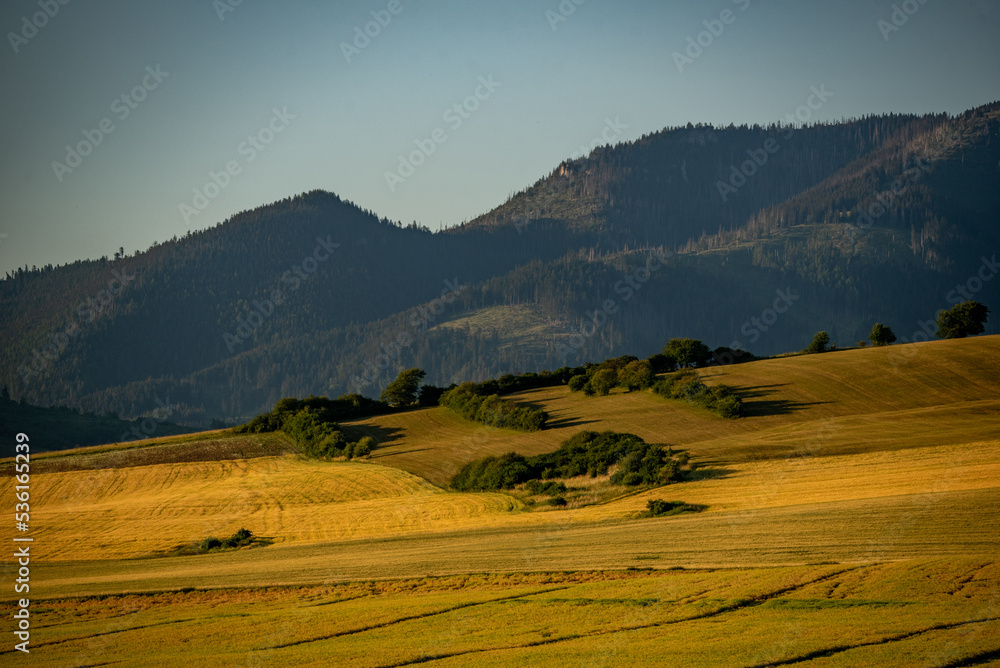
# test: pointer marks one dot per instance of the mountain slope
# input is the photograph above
(817, 238)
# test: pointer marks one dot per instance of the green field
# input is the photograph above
(850, 519)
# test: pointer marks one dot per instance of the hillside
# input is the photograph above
(812, 418)
(842, 402)
(877, 219)
(849, 519)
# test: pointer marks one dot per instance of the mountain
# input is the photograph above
(752, 237)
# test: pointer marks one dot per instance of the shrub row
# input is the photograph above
(492, 410)
(586, 453)
(310, 423)
(687, 386)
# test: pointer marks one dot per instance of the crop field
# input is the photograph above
(850, 520)
(854, 401)
(916, 613)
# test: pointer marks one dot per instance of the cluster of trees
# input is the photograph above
(633, 374)
(587, 453)
(687, 385)
(241, 538)
(311, 423)
(493, 411)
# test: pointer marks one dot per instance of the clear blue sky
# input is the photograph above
(607, 60)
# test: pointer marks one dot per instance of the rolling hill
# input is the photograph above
(849, 519)
(875, 219)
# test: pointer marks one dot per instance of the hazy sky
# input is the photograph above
(224, 69)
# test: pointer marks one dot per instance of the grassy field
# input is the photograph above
(849, 520)
(936, 613)
(845, 402)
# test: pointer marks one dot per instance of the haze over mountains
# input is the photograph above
(752, 237)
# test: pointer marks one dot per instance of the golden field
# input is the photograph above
(849, 519)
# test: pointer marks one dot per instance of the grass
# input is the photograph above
(885, 472)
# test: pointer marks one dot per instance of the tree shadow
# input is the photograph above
(383, 436)
(380, 453)
(708, 473)
(765, 407)
(566, 422)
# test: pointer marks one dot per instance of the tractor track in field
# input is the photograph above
(837, 649)
(739, 605)
(413, 617)
(103, 633)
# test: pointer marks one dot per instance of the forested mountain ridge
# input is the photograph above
(312, 294)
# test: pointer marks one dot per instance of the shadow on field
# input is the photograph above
(567, 422)
(378, 455)
(383, 435)
(708, 473)
(765, 407)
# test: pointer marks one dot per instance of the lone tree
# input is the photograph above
(965, 319)
(687, 352)
(820, 343)
(403, 390)
(881, 335)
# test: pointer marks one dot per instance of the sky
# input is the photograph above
(126, 124)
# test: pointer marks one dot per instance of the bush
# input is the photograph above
(492, 410)
(636, 376)
(661, 508)
(539, 488)
(364, 447)
(603, 381)
(210, 544)
(239, 539)
(558, 501)
(492, 473)
(687, 386)
(577, 383)
(586, 453)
